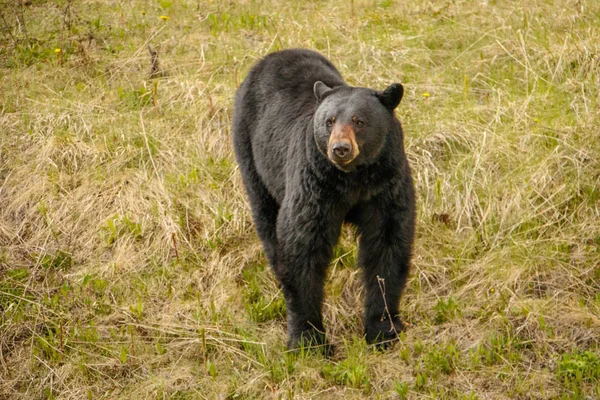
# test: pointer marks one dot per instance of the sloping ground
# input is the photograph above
(129, 267)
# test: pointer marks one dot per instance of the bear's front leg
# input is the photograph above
(306, 236)
(386, 229)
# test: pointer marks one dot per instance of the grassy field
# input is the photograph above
(129, 265)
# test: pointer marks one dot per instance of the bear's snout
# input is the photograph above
(342, 148)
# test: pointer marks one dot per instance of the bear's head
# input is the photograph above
(351, 124)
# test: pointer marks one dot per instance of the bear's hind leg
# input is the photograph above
(264, 207)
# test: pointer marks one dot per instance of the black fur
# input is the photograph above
(300, 199)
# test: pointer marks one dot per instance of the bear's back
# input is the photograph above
(274, 108)
(282, 83)
(295, 72)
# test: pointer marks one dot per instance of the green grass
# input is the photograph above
(129, 265)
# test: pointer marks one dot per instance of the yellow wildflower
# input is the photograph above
(426, 94)
(57, 50)
(164, 17)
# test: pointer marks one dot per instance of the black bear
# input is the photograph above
(314, 153)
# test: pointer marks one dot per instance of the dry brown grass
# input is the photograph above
(129, 266)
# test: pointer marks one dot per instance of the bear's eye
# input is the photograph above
(359, 123)
(330, 121)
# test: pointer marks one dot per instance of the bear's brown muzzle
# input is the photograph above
(342, 148)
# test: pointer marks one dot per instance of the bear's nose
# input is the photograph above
(341, 149)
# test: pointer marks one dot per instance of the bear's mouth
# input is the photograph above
(347, 166)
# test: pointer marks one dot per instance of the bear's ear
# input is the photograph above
(320, 89)
(391, 96)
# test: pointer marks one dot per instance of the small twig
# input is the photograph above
(210, 103)
(381, 282)
(173, 236)
(19, 23)
(203, 337)
(22, 19)
(67, 15)
(60, 336)
(8, 27)
(132, 344)
(154, 67)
